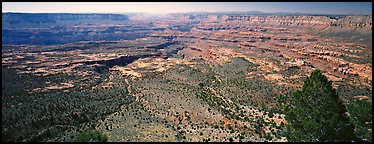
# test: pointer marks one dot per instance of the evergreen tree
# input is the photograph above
(361, 115)
(317, 114)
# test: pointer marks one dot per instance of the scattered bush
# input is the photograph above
(92, 136)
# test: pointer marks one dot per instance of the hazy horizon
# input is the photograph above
(333, 8)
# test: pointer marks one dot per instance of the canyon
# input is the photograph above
(180, 77)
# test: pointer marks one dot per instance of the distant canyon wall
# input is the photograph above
(352, 27)
(27, 20)
(350, 22)
(354, 22)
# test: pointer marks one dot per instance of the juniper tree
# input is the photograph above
(361, 116)
(315, 113)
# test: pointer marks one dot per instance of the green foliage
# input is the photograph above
(268, 137)
(271, 114)
(361, 114)
(91, 136)
(317, 114)
(201, 85)
(241, 137)
(231, 140)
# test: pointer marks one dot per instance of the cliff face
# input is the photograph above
(10, 20)
(364, 22)
(359, 27)
(345, 22)
(318, 22)
(61, 28)
(290, 20)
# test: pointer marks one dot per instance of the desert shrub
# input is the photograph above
(91, 136)
(231, 140)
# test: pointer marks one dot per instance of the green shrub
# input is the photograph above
(92, 136)
(231, 139)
